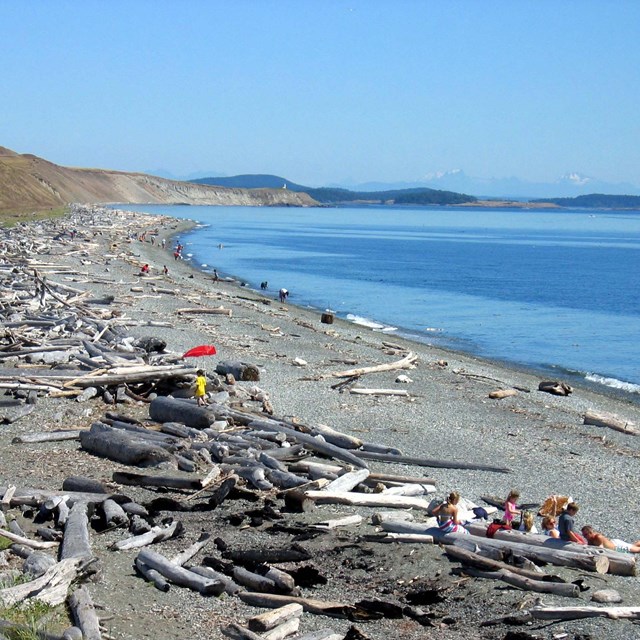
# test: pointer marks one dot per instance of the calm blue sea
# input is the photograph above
(553, 291)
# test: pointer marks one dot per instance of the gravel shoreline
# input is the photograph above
(448, 415)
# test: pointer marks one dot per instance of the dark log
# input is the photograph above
(239, 370)
(179, 575)
(425, 462)
(76, 542)
(555, 387)
(295, 553)
(253, 581)
(526, 584)
(480, 562)
(114, 515)
(83, 484)
(311, 605)
(151, 575)
(164, 409)
(142, 480)
(236, 631)
(310, 442)
(120, 447)
(230, 587)
(84, 614)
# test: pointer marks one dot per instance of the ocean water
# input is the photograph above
(553, 291)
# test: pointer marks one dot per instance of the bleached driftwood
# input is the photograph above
(84, 614)
(271, 619)
(611, 421)
(408, 362)
(221, 311)
(577, 613)
(569, 590)
(311, 605)
(27, 542)
(348, 481)
(157, 534)
(347, 521)
(380, 392)
(369, 500)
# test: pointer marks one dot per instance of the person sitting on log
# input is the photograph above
(447, 513)
(597, 539)
(510, 507)
(549, 527)
(201, 388)
(527, 523)
(567, 523)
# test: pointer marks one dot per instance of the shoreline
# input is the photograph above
(577, 380)
(447, 415)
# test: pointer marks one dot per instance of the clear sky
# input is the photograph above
(325, 91)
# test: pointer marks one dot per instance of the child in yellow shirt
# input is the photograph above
(201, 388)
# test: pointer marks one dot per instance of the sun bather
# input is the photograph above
(597, 539)
(447, 513)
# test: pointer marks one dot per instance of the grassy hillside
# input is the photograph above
(29, 183)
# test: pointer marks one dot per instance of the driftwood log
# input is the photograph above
(84, 614)
(239, 370)
(611, 421)
(577, 613)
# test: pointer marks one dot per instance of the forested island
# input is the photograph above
(595, 201)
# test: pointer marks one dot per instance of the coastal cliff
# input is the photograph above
(28, 182)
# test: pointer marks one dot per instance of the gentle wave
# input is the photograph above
(370, 324)
(614, 383)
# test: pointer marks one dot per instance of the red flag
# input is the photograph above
(202, 350)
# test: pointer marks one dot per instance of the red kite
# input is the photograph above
(202, 350)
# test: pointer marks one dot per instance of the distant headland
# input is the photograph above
(29, 183)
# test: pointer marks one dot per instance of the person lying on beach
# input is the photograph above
(510, 507)
(597, 539)
(549, 527)
(447, 514)
(567, 524)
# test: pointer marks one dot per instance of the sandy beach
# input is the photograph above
(447, 414)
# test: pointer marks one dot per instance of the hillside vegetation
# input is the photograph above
(596, 201)
(29, 183)
(328, 195)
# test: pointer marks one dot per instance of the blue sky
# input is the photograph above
(326, 91)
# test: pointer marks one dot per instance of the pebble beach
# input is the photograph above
(446, 414)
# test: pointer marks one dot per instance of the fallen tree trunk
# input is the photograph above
(271, 619)
(577, 613)
(84, 614)
(221, 311)
(156, 534)
(239, 370)
(369, 500)
(425, 462)
(622, 564)
(179, 575)
(408, 362)
(526, 584)
(27, 542)
(117, 445)
(76, 542)
(164, 409)
(311, 605)
(611, 421)
(49, 436)
(141, 480)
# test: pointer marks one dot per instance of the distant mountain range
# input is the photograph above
(568, 186)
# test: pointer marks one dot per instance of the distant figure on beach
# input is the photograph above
(144, 268)
(283, 295)
(201, 388)
(447, 514)
(264, 285)
(216, 277)
(597, 539)
(164, 242)
(549, 527)
(567, 525)
(511, 507)
(165, 270)
(221, 246)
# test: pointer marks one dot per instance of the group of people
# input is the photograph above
(562, 527)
